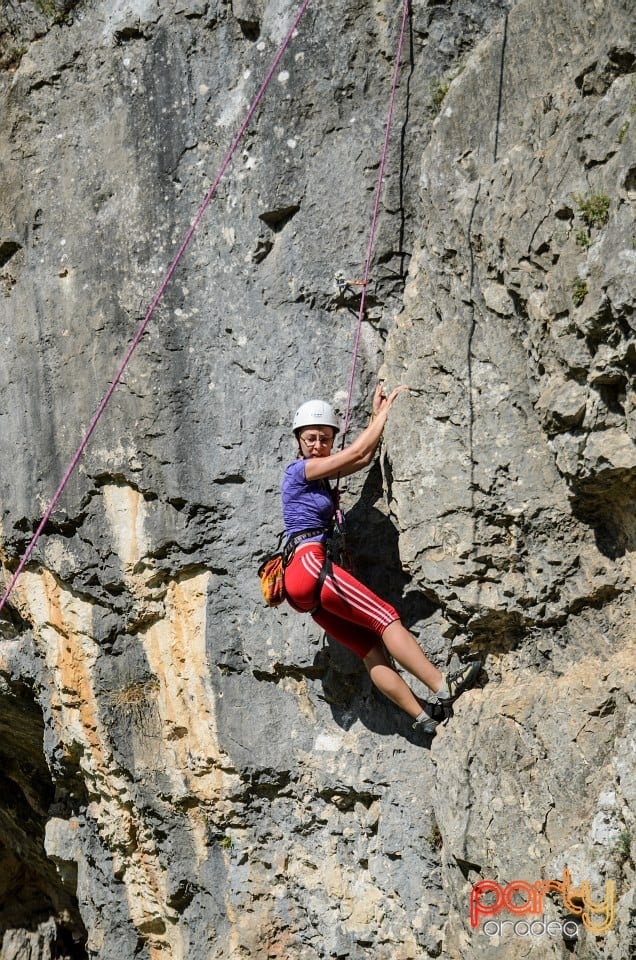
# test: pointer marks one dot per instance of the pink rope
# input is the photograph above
(374, 223)
(160, 292)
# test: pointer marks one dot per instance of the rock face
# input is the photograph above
(186, 774)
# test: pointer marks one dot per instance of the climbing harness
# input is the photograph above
(298, 538)
(271, 572)
(326, 569)
(160, 292)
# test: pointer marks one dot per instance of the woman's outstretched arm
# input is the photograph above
(359, 453)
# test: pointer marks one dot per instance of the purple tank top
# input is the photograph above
(306, 503)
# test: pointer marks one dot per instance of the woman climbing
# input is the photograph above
(346, 609)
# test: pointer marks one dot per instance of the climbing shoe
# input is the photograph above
(455, 684)
(430, 718)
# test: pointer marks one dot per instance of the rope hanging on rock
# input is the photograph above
(363, 283)
(160, 292)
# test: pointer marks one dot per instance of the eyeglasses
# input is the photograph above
(311, 440)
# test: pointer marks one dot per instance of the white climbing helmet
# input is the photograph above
(315, 413)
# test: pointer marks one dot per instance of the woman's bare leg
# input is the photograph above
(404, 648)
(390, 683)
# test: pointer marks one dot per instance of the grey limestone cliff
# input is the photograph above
(183, 772)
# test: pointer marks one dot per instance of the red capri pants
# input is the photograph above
(349, 612)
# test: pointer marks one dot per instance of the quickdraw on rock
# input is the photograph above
(343, 285)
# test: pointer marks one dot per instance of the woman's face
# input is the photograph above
(316, 441)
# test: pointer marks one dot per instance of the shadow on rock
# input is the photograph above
(351, 696)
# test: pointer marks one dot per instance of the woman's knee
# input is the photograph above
(394, 627)
(376, 657)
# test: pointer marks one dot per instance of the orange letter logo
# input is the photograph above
(477, 907)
